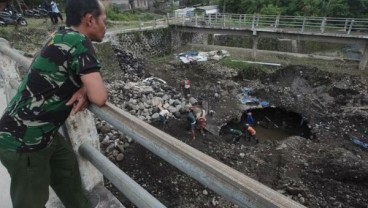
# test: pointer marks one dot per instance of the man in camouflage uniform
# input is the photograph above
(63, 77)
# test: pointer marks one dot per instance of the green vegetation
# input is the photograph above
(131, 15)
(326, 8)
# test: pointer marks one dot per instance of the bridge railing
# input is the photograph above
(275, 22)
(233, 185)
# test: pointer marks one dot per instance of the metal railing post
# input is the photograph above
(276, 22)
(351, 26)
(224, 17)
(196, 19)
(303, 25)
(253, 21)
(245, 20)
(323, 24)
(346, 24)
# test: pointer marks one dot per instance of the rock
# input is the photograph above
(110, 148)
(214, 201)
(282, 146)
(172, 109)
(105, 129)
(242, 155)
(192, 100)
(120, 157)
(155, 116)
(120, 147)
(205, 192)
(129, 139)
(166, 105)
(177, 114)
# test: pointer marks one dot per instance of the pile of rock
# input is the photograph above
(142, 99)
(140, 96)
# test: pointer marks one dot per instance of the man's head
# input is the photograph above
(88, 17)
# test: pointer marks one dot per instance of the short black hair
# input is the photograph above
(76, 9)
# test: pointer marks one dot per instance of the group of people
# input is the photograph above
(53, 11)
(63, 78)
(248, 132)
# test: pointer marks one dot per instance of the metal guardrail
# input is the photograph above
(233, 185)
(274, 22)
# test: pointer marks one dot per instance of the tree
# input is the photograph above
(327, 8)
(271, 10)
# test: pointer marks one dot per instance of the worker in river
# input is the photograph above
(200, 115)
(192, 122)
(250, 119)
(250, 133)
(236, 135)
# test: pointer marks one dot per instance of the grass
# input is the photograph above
(131, 15)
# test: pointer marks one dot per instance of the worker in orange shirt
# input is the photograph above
(250, 133)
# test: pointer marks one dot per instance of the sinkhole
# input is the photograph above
(271, 123)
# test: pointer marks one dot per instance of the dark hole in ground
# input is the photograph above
(272, 123)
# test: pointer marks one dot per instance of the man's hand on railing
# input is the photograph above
(79, 100)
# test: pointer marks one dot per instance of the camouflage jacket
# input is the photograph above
(38, 109)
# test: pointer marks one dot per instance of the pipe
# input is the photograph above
(255, 62)
(233, 185)
(133, 191)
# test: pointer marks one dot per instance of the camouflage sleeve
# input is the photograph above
(87, 60)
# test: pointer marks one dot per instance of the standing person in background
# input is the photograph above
(47, 6)
(185, 86)
(63, 78)
(56, 12)
(192, 122)
(250, 119)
